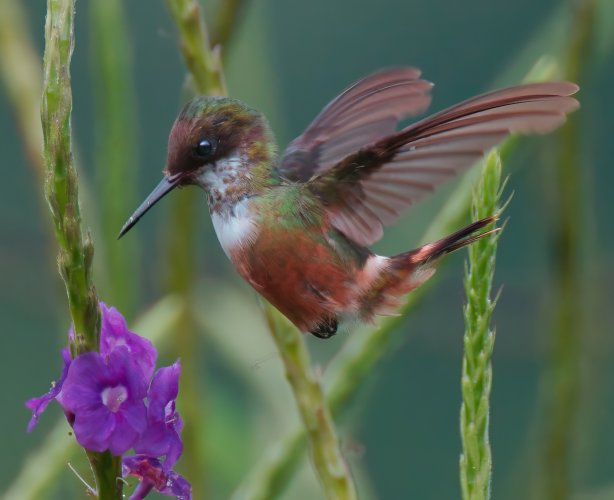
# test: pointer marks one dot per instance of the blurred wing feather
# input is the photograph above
(365, 112)
(371, 187)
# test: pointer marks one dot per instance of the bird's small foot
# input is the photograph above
(325, 329)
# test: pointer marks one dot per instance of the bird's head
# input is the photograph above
(213, 140)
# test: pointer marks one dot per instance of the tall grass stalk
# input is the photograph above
(76, 251)
(203, 63)
(325, 452)
(206, 77)
(61, 190)
(116, 159)
(479, 339)
(227, 18)
(22, 76)
(561, 384)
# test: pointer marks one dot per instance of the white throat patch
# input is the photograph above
(232, 220)
(236, 227)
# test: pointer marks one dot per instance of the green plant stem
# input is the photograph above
(207, 78)
(22, 76)
(108, 472)
(226, 20)
(75, 252)
(562, 381)
(315, 414)
(186, 341)
(203, 63)
(325, 452)
(116, 157)
(476, 460)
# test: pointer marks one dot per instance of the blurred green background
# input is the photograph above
(401, 434)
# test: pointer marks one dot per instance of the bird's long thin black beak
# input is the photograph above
(166, 186)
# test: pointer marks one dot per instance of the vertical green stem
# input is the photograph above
(226, 21)
(207, 77)
(76, 252)
(108, 471)
(181, 254)
(206, 70)
(476, 461)
(203, 63)
(115, 157)
(562, 381)
(313, 408)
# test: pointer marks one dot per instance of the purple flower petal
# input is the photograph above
(81, 389)
(114, 333)
(94, 428)
(127, 430)
(122, 366)
(106, 399)
(163, 421)
(177, 486)
(38, 405)
(153, 475)
(141, 491)
(164, 388)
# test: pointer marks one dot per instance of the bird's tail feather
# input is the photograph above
(409, 270)
(450, 243)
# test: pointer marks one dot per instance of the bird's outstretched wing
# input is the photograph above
(370, 187)
(365, 112)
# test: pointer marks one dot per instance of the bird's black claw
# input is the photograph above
(326, 329)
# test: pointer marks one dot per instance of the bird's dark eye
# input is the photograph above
(205, 148)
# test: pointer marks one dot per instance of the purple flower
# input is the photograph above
(163, 422)
(106, 398)
(114, 333)
(154, 475)
(39, 405)
(113, 403)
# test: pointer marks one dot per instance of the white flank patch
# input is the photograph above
(234, 230)
(372, 269)
(425, 251)
(374, 265)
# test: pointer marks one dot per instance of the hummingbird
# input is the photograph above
(297, 226)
